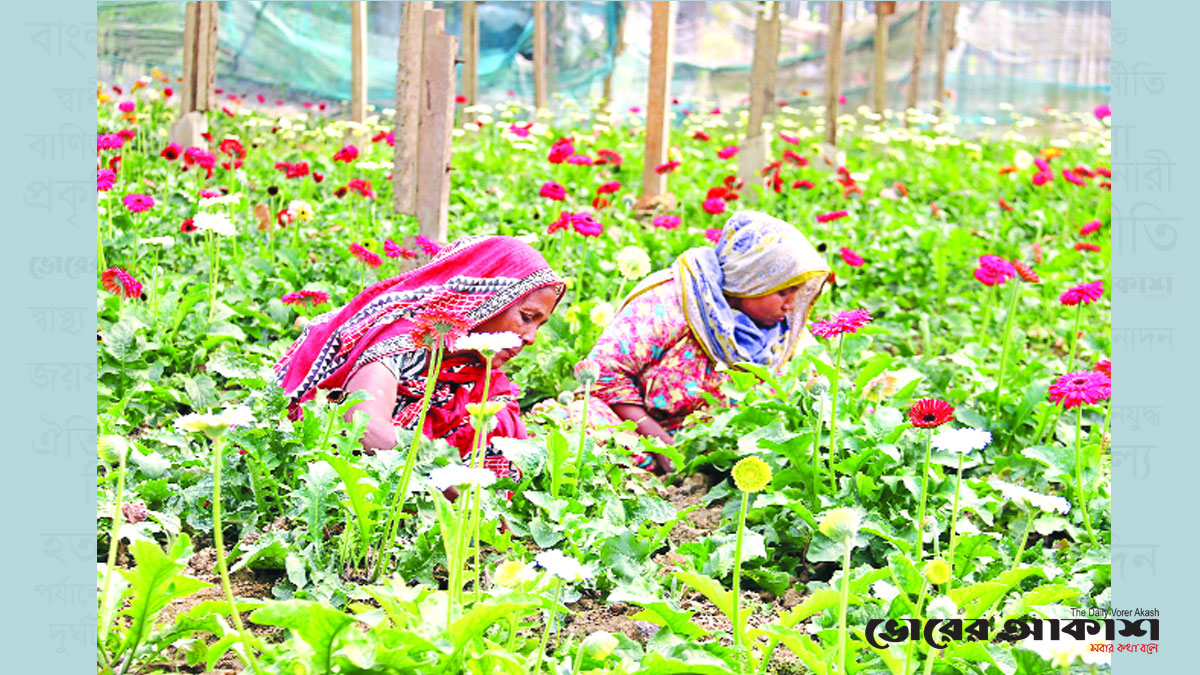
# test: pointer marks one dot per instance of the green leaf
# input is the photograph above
(361, 490)
(154, 582)
(870, 369)
(716, 594)
(201, 391)
(226, 362)
(482, 616)
(120, 340)
(653, 509)
(1060, 460)
(315, 623)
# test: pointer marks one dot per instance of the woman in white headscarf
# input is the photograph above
(747, 300)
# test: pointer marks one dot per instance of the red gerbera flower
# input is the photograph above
(714, 206)
(563, 222)
(305, 296)
(844, 322)
(701, 136)
(437, 325)
(552, 190)
(851, 258)
(599, 203)
(1085, 293)
(1005, 205)
(1104, 171)
(1104, 366)
(792, 157)
(928, 413)
(460, 99)
(362, 186)
(560, 153)
(609, 157)
(172, 152)
(187, 226)
(318, 177)
(233, 148)
(1072, 177)
(716, 193)
(609, 188)
(298, 170)
(1082, 388)
(1025, 272)
(341, 192)
(118, 282)
(832, 215)
(667, 167)
(1084, 246)
(347, 154)
(366, 256)
(805, 184)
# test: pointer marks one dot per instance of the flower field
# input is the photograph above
(937, 449)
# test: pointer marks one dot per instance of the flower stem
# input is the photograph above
(737, 576)
(815, 488)
(833, 391)
(1075, 336)
(1081, 495)
(587, 394)
(845, 601)
(1016, 561)
(954, 525)
(113, 540)
(1008, 326)
(219, 544)
(537, 668)
(916, 615)
(924, 495)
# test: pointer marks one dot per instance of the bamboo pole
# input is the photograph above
(914, 84)
(945, 43)
(358, 57)
(762, 91)
(616, 52)
(437, 123)
(833, 72)
(408, 109)
(470, 52)
(879, 86)
(199, 56)
(540, 99)
(658, 98)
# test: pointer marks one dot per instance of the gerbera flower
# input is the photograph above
(563, 222)
(713, 234)
(832, 215)
(1005, 205)
(362, 186)
(587, 225)
(579, 160)
(429, 246)
(172, 152)
(1104, 366)
(701, 136)
(1083, 388)
(1102, 111)
(347, 154)
(1085, 293)
(599, 203)
(1042, 177)
(105, 179)
(560, 153)
(1072, 177)
(844, 322)
(305, 297)
(605, 156)
(928, 413)
(297, 170)
(667, 222)
(1025, 272)
(109, 141)
(994, 270)
(667, 167)
(715, 206)
(439, 324)
(790, 156)
(552, 190)
(1084, 246)
(609, 188)
(119, 282)
(789, 139)
(804, 184)
(851, 258)
(1090, 227)
(137, 203)
(188, 226)
(393, 250)
(727, 152)
(366, 256)
(1037, 253)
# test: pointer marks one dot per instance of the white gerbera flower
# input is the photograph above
(942, 607)
(562, 566)
(453, 475)
(602, 313)
(633, 263)
(1047, 503)
(165, 242)
(962, 441)
(216, 222)
(232, 198)
(214, 425)
(488, 343)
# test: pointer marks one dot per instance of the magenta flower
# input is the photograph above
(119, 282)
(137, 203)
(713, 234)
(347, 154)
(365, 255)
(794, 140)
(832, 215)
(427, 245)
(393, 250)
(1090, 227)
(552, 190)
(1085, 293)
(587, 225)
(305, 297)
(579, 160)
(851, 258)
(609, 187)
(1102, 111)
(109, 141)
(844, 322)
(727, 151)
(994, 270)
(127, 106)
(1042, 177)
(560, 153)
(667, 222)
(1072, 177)
(1083, 388)
(105, 179)
(715, 206)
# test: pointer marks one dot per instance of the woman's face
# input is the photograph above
(524, 318)
(769, 310)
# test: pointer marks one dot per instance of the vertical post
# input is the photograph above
(408, 110)
(879, 86)
(358, 56)
(833, 74)
(658, 96)
(470, 52)
(616, 52)
(199, 56)
(945, 42)
(539, 56)
(762, 91)
(437, 123)
(914, 84)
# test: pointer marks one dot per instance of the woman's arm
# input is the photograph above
(648, 426)
(375, 379)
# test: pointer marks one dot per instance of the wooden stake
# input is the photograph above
(199, 56)
(540, 100)
(914, 84)
(658, 98)
(833, 72)
(879, 86)
(408, 110)
(437, 123)
(616, 52)
(945, 42)
(470, 52)
(358, 58)
(762, 92)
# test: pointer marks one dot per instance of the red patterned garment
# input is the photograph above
(477, 279)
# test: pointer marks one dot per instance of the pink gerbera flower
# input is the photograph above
(844, 322)
(552, 190)
(137, 203)
(393, 250)
(832, 215)
(1102, 111)
(429, 246)
(365, 255)
(1072, 177)
(667, 222)
(851, 258)
(109, 141)
(105, 179)
(1082, 388)
(119, 282)
(305, 297)
(1085, 293)
(127, 106)
(715, 206)
(609, 188)
(579, 160)
(789, 139)
(727, 151)
(1090, 227)
(714, 234)
(994, 270)
(587, 225)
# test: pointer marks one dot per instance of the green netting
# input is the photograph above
(1027, 54)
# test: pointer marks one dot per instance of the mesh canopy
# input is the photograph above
(1028, 54)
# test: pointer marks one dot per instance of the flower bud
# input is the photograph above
(111, 448)
(818, 385)
(841, 524)
(751, 474)
(587, 372)
(599, 645)
(134, 512)
(937, 571)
